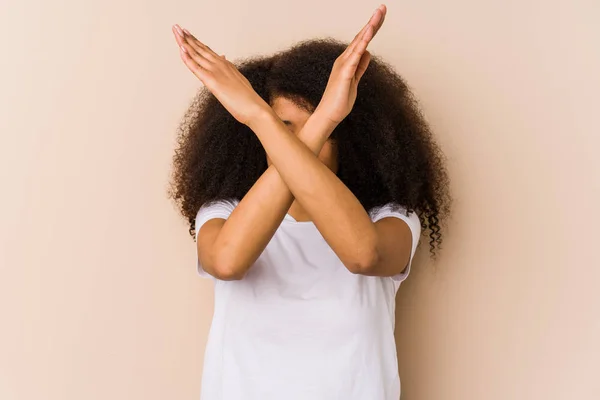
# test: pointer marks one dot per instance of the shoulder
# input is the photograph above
(220, 204)
(221, 208)
(397, 211)
(393, 233)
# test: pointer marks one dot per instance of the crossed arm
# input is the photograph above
(228, 248)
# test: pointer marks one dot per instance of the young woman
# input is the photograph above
(307, 178)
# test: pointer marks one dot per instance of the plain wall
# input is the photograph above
(99, 297)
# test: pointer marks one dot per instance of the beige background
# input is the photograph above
(99, 298)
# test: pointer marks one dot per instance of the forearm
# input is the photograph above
(253, 222)
(337, 213)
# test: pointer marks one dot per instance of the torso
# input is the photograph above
(301, 326)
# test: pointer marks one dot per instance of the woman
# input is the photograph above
(306, 177)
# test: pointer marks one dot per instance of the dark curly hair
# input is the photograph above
(386, 152)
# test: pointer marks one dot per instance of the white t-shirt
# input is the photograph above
(299, 325)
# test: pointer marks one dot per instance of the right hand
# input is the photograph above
(221, 77)
(340, 92)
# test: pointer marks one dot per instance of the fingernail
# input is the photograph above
(183, 48)
(179, 30)
(186, 31)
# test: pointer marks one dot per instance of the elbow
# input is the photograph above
(225, 273)
(365, 265)
(228, 271)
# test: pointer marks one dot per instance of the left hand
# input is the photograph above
(340, 93)
(221, 77)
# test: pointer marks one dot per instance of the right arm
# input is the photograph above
(228, 248)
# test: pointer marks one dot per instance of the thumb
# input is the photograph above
(363, 64)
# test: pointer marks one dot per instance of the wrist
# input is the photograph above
(261, 116)
(324, 120)
(317, 127)
(315, 132)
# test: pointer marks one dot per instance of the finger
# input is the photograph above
(200, 47)
(355, 40)
(198, 58)
(363, 64)
(200, 50)
(375, 21)
(193, 66)
(353, 60)
(182, 39)
(178, 35)
(378, 24)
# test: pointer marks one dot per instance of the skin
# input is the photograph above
(294, 118)
(301, 170)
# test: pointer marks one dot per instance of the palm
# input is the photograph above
(338, 98)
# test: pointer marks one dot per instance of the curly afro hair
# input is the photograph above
(386, 152)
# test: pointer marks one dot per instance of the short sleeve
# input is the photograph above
(413, 222)
(215, 209)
